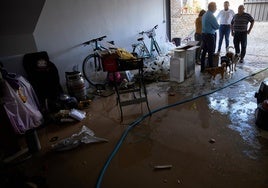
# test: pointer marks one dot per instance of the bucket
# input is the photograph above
(76, 85)
(176, 41)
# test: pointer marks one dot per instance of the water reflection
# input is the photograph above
(240, 105)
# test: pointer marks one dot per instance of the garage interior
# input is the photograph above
(200, 133)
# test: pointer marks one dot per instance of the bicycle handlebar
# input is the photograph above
(94, 40)
(148, 31)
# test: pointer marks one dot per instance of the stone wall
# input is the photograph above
(183, 26)
(182, 21)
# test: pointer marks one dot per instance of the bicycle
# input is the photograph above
(92, 64)
(140, 49)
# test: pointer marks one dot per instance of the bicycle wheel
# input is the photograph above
(93, 71)
(141, 50)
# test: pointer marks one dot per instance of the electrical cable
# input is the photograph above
(140, 119)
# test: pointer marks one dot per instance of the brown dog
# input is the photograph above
(213, 71)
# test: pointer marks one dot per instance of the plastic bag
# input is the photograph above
(77, 114)
(23, 114)
(85, 136)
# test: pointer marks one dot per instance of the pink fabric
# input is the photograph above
(22, 115)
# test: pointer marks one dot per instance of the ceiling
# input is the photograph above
(19, 16)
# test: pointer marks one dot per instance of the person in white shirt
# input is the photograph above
(224, 18)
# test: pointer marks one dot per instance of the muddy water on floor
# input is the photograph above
(239, 104)
(180, 136)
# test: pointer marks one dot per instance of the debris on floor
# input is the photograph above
(161, 167)
(85, 136)
(171, 91)
(77, 114)
(212, 141)
(157, 69)
(54, 139)
(68, 116)
(84, 104)
(62, 117)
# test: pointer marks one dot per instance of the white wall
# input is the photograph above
(65, 24)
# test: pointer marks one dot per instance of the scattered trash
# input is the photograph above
(53, 139)
(179, 181)
(159, 65)
(84, 104)
(77, 114)
(126, 84)
(104, 93)
(157, 69)
(161, 167)
(171, 91)
(212, 141)
(85, 136)
(66, 102)
(62, 116)
(193, 107)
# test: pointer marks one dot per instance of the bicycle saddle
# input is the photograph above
(140, 39)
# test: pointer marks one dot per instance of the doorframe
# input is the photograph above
(168, 20)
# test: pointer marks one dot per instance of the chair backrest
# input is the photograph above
(43, 75)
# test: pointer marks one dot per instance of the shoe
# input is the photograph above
(241, 61)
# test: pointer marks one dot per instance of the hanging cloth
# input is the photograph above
(21, 105)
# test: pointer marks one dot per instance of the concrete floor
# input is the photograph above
(210, 141)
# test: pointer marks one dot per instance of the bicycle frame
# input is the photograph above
(154, 46)
(144, 52)
(92, 66)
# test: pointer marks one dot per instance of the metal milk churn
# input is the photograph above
(76, 85)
